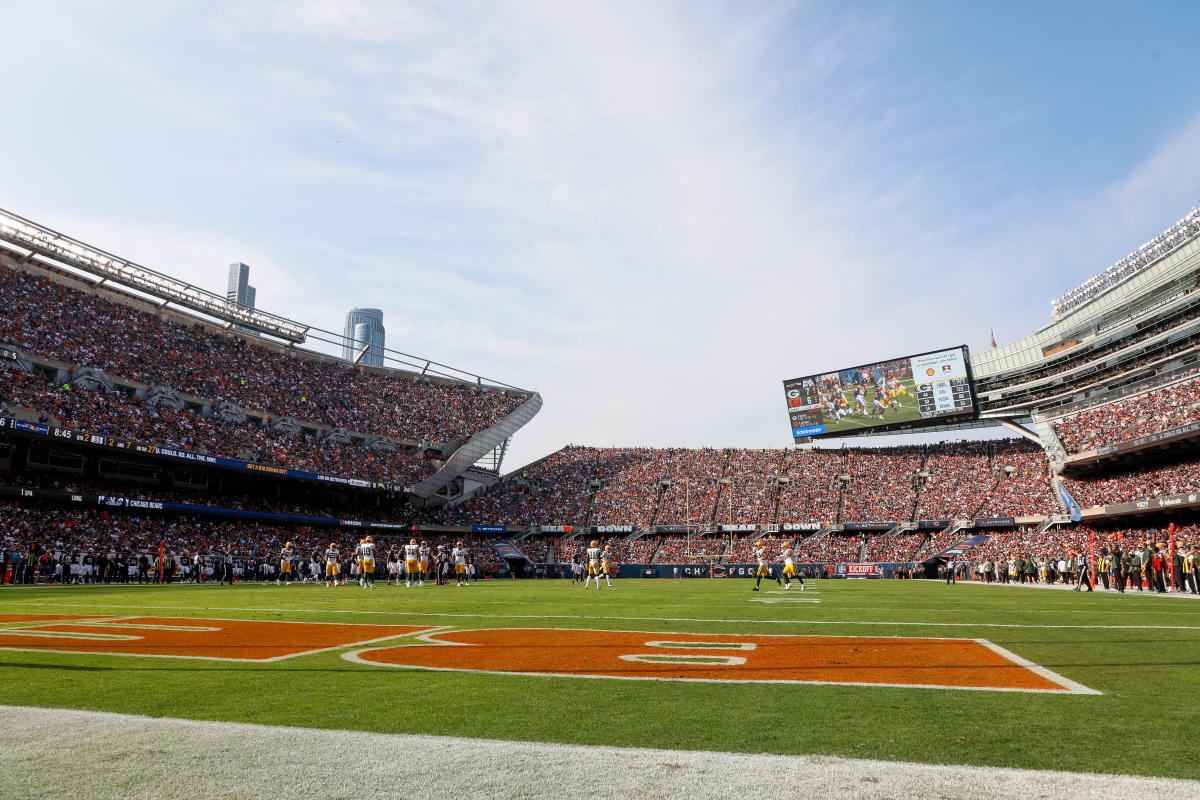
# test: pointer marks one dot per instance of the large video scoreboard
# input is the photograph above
(904, 393)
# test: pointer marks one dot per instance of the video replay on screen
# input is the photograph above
(899, 394)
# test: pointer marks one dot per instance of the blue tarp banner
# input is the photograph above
(1068, 501)
(506, 549)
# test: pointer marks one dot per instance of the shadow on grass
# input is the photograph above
(82, 667)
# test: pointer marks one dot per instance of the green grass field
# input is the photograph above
(906, 412)
(1142, 653)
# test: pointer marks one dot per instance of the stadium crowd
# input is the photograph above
(125, 416)
(1134, 484)
(79, 327)
(1024, 488)
(1153, 412)
(882, 484)
(719, 486)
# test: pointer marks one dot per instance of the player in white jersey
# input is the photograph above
(764, 568)
(411, 552)
(285, 565)
(424, 557)
(789, 568)
(605, 565)
(879, 404)
(593, 564)
(331, 565)
(366, 560)
(860, 399)
(459, 556)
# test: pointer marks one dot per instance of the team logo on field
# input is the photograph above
(872, 661)
(216, 639)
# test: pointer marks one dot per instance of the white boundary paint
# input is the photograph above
(237, 761)
(431, 637)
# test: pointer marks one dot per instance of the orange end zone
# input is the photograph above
(882, 661)
(224, 639)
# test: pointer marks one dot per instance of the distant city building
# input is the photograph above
(364, 328)
(239, 290)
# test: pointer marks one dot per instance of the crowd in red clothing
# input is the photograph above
(581, 486)
(1131, 485)
(48, 318)
(1155, 411)
(123, 415)
(882, 484)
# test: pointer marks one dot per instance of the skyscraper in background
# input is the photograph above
(239, 290)
(364, 328)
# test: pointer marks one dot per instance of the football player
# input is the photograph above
(412, 552)
(422, 562)
(459, 556)
(393, 566)
(285, 565)
(593, 564)
(331, 565)
(789, 568)
(605, 563)
(366, 557)
(764, 569)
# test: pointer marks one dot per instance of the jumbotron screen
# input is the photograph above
(903, 393)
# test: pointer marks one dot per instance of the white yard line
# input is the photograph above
(142, 758)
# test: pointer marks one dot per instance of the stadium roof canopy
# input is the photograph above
(60, 247)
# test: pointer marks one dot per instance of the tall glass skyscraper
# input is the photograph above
(238, 289)
(364, 328)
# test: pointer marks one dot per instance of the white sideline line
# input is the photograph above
(232, 761)
(631, 619)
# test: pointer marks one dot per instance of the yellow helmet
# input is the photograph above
(412, 541)
(758, 543)
(595, 543)
(368, 539)
(458, 543)
(608, 547)
(289, 544)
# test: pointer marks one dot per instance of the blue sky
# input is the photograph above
(651, 212)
